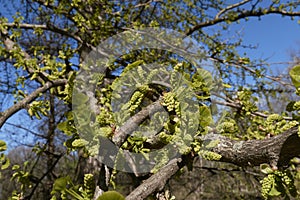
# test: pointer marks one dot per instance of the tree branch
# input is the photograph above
(242, 15)
(11, 45)
(239, 106)
(28, 99)
(231, 7)
(157, 181)
(237, 65)
(276, 151)
(131, 124)
(50, 169)
(49, 27)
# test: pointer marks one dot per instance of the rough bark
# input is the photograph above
(156, 182)
(276, 151)
(130, 125)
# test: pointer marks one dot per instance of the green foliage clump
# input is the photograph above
(278, 183)
(23, 176)
(209, 155)
(111, 195)
(247, 101)
(169, 100)
(37, 108)
(294, 74)
(276, 124)
(65, 188)
(88, 188)
(136, 101)
(227, 127)
(202, 82)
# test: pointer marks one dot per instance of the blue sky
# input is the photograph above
(274, 35)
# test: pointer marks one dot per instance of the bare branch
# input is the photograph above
(43, 176)
(17, 126)
(275, 79)
(242, 15)
(147, 3)
(239, 106)
(231, 7)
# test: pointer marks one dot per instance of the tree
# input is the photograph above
(138, 102)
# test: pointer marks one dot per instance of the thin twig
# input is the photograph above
(230, 7)
(241, 15)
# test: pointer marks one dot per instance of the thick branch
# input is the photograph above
(28, 99)
(131, 124)
(277, 150)
(252, 152)
(156, 182)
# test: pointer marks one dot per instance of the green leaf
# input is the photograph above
(295, 75)
(266, 169)
(79, 143)
(63, 126)
(290, 106)
(15, 167)
(5, 164)
(274, 192)
(211, 144)
(66, 128)
(132, 65)
(111, 195)
(74, 194)
(2, 145)
(205, 116)
(79, 98)
(226, 85)
(60, 184)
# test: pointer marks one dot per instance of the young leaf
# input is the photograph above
(2, 145)
(79, 143)
(265, 168)
(111, 195)
(5, 164)
(295, 75)
(60, 184)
